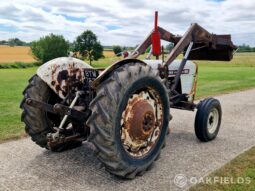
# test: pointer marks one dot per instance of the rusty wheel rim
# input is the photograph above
(141, 123)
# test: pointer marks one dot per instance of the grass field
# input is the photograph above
(12, 83)
(222, 77)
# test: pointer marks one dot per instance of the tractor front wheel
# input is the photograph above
(129, 120)
(208, 119)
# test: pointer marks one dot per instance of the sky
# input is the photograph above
(125, 22)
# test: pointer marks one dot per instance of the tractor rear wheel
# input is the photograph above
(129, 121)
(38, 122)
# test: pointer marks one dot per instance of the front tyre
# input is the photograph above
(129, 120)
(208, 119)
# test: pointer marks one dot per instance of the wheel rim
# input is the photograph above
(213, 120)
(141, 123)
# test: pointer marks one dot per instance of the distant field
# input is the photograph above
(108, 53)
(15, 54)
(10, 54)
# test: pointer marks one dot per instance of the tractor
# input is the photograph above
(124, 109)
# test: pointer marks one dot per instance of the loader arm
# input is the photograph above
(206, 46)
(196, 34)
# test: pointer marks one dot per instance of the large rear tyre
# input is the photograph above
(38, 122)
(129, 120)
(208, 119)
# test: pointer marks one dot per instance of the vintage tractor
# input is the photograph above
(124, 110)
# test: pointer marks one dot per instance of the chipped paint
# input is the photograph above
(61, 73)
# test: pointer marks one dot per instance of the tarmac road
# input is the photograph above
(25, 166)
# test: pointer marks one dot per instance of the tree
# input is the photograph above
(3, 42)
(169, 47)
(88, 46)
(16, 42)
(245, 48)
(50, 47)
(148, 49)
(117, 50)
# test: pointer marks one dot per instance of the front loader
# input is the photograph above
(124, 110)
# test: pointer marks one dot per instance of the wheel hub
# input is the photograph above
(141, 123)
(213, 120)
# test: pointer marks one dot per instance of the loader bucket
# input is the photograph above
(220, 49)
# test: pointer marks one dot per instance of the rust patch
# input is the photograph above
(63, 81)
(141, 123)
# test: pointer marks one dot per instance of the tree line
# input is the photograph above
(14, 42)
(245, 48)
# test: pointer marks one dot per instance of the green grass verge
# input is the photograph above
(239, 169)
(221, 77)
(102, 63)
(214, 79)
(12, 83)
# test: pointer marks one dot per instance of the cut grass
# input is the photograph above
(12, 84)
(213, 78)
(242, 166)
(103, 63)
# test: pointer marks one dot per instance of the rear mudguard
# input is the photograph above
(58, 72)
(105, 74)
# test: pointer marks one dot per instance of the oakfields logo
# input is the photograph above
(182, 180)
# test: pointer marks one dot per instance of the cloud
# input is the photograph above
(125, 22)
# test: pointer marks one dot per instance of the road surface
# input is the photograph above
(25, 166)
